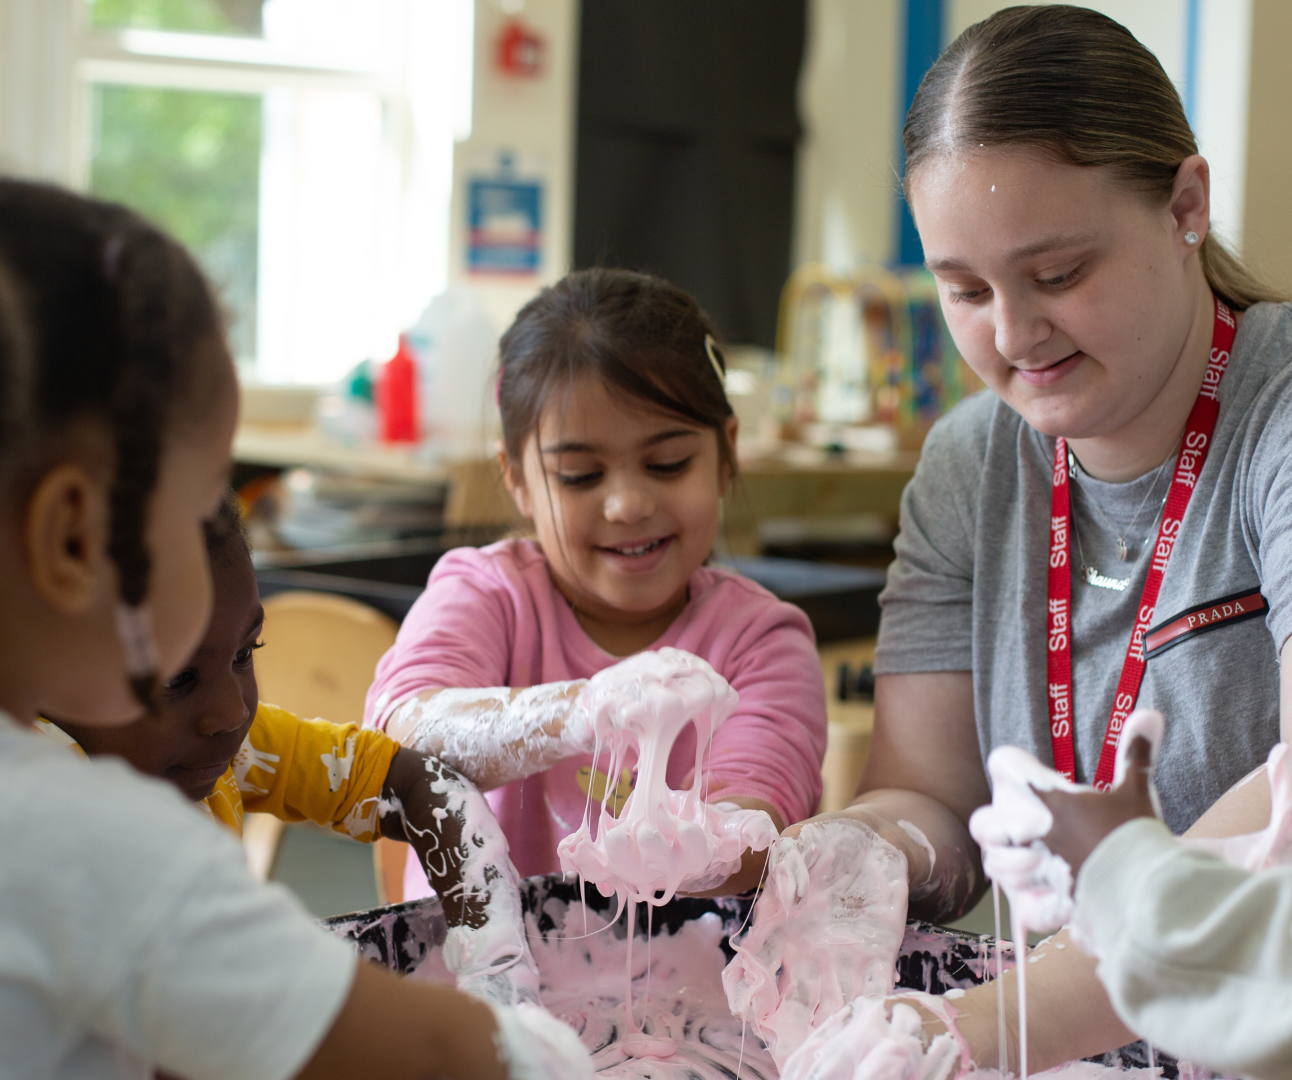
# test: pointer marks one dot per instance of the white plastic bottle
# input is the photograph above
(456, 346)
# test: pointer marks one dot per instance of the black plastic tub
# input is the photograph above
(402, 936)
(407, 937)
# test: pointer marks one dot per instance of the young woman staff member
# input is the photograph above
(1129, 472)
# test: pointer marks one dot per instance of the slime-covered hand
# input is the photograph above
(645, 691)
(463, 850)
(663, 838)
(826, 930)
(1082, 819)
(1032, 805)
(860, 1042)
(534, 1045)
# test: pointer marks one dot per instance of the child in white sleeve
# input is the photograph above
(133, 939)
(1195, 952)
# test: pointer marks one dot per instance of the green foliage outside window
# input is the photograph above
(193, 16)
(189, 161)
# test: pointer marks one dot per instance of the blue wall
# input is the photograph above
(923, 34)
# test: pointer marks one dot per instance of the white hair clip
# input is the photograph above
(135, 630)
(715, 358)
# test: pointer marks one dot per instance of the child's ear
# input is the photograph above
(513, 476)
(66, 538)
(731, 428)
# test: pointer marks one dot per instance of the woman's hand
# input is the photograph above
(826, 929)
(1082, 819)
(923, 778)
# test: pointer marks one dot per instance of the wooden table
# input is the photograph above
(286, 446)
(789, 482)
(800, 482)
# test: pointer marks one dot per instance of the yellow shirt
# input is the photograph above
(298, 770)
(305, 770)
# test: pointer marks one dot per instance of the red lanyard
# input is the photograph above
(1058, 667)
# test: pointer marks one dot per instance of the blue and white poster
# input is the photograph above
(504, 221)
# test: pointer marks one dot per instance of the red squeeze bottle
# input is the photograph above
(397, 396)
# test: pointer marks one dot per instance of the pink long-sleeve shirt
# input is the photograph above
(493, 617)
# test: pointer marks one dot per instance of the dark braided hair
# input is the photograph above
(15, 382)
(124, 331)
(638, 335)
(226, 532)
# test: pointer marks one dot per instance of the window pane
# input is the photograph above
(329, 203)
(190, 162)
(194, 16)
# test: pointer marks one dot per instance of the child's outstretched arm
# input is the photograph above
(1189, 949)
(497, 734)
(461, 846)
(1192, 950)
(399, 1029)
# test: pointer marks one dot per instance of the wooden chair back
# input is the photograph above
(319, 656)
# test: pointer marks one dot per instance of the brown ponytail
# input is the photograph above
(1077, 85)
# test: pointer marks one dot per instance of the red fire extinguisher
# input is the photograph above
(397, 396)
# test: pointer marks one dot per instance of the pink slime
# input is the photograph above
(663, 838)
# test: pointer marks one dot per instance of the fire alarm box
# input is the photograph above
(521, 50)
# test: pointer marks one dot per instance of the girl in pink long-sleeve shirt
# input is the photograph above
(619, 444)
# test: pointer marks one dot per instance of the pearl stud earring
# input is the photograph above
(1191, 238)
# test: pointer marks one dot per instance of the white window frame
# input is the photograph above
(230, 64)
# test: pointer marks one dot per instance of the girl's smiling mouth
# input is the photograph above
(639, 555)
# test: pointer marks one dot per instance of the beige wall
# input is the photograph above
(36, 95)
(536, 119)
(1267, 233)
(846, 187)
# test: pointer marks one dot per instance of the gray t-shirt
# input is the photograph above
(968, 589)
(132, 934)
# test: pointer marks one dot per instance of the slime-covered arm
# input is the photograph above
(494, 735)
(432, 823)
(923, 779)
(461, 846)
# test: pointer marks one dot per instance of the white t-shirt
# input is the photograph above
(133, 935)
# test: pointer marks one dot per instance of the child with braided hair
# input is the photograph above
(132, 936)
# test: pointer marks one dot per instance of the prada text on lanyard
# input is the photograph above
(1188, 467)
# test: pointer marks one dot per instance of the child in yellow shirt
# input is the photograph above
(225, 749)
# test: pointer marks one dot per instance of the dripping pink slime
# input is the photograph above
(663, 838)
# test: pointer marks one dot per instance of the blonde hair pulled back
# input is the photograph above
(1072, 83)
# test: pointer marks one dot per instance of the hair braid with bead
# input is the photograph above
(118, 313)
